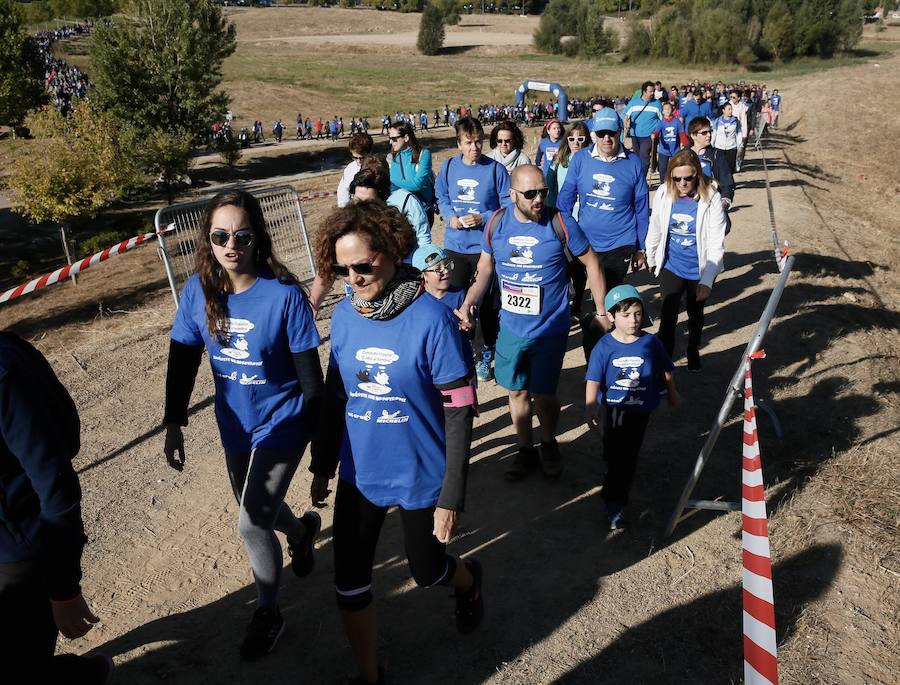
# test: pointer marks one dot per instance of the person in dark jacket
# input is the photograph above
(715, 167)
(41, 532)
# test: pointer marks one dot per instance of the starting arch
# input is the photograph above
(543, 86)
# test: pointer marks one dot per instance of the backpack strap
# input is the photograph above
(559, 227)
(491, 227)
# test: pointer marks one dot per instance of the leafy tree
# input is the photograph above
(229, 150)
(778, 31)
(637, 40)
(431, 31)
(407, 6)
(159, 73)
(594, 39)
(850, 20)
(164, 155)
(21, 68)
(74, 167)
(560, 18)
(451, 9)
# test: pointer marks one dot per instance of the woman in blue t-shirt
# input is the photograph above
(685, 247)
(245, 308)
(551, 139)
(397, 417)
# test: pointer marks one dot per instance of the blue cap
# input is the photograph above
(606, 119)
(621, 292)
(427, 256)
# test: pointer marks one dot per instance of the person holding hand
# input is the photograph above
(397, 418)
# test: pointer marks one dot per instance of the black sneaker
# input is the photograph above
(263, 632)
(551, 461)
(470, 604)
(302, 551)
(525, 461)
(693, 360)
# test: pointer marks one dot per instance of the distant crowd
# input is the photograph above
(65, 81)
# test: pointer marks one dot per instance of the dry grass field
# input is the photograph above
(566, 602)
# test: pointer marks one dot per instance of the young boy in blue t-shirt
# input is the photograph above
(623, 385)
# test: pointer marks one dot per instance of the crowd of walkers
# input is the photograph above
(65, 81)
(419, 328)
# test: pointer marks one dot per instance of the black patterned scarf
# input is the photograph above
(398, 294)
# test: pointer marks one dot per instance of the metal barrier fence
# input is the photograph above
(735, 390)
(284, 218)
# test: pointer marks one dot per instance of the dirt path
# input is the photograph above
(566, 602)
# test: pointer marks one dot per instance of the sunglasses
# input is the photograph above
(443, 267)
(703, 133)
(577, 139)
(533, 193)
(394, 139)
(358, 158)
(684, 179)
(504, 141)
(361, 269)
(607, 134)
(242, 237)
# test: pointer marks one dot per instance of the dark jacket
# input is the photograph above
(40, 498)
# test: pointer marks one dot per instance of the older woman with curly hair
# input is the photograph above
(397, 418)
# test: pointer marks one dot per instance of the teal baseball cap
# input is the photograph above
(606, 119)
(427, 256)
(620, 293)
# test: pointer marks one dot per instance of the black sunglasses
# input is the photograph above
(533, 193)
(703, 133)
(362, 269)
(394, 139)
(504, 141)
(688, 179)
(607, 134)
(242, 237)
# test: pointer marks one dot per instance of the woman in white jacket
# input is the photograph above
(728, 136)
(685, 247)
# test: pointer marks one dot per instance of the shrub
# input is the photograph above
(100, 241)
(637, 40)
(20, 269)
(431, 31)
(560, 18)
(594, 39)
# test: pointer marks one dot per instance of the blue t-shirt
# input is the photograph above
(775, 102)
(258, 398)
(452, 299)
(689, 110)
(546, 151)
(394, 414)
(613, 200)
(681, 250)
(706, 165)
(630, 374)
(532, 271)
(669, 136)
(461, 189)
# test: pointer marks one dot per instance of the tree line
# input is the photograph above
(706, 31)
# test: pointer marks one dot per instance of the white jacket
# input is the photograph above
(710, 235)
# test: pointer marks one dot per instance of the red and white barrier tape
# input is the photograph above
(72, 269)
(760, 645)
(316, 196)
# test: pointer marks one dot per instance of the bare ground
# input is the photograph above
(566, 602)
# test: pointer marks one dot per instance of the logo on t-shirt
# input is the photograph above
(374, 378)
(522, 253)
(603, 185)
(466, 191)
(681, 228)
(531, 277)
(235, 330)
(252, 380)
(391, 417)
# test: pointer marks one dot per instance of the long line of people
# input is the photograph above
(65, 81)
(420, 327)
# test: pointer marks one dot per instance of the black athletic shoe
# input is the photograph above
(302, 551)
(262, 634)
(470, 604)
(551, 460)
(525, 461)
(693, 360)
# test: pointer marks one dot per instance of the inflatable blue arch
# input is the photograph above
(554, 88)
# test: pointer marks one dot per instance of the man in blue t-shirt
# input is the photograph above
(526, 247)
(468, 188)
(641, 116)
(610, 187)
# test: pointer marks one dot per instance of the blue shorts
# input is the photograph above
(532, 364)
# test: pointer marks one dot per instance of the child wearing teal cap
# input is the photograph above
(626, 373)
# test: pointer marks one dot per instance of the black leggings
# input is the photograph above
(357, 524)
(622, 439)
(671, 288)
(615, 265)
(463, 274)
